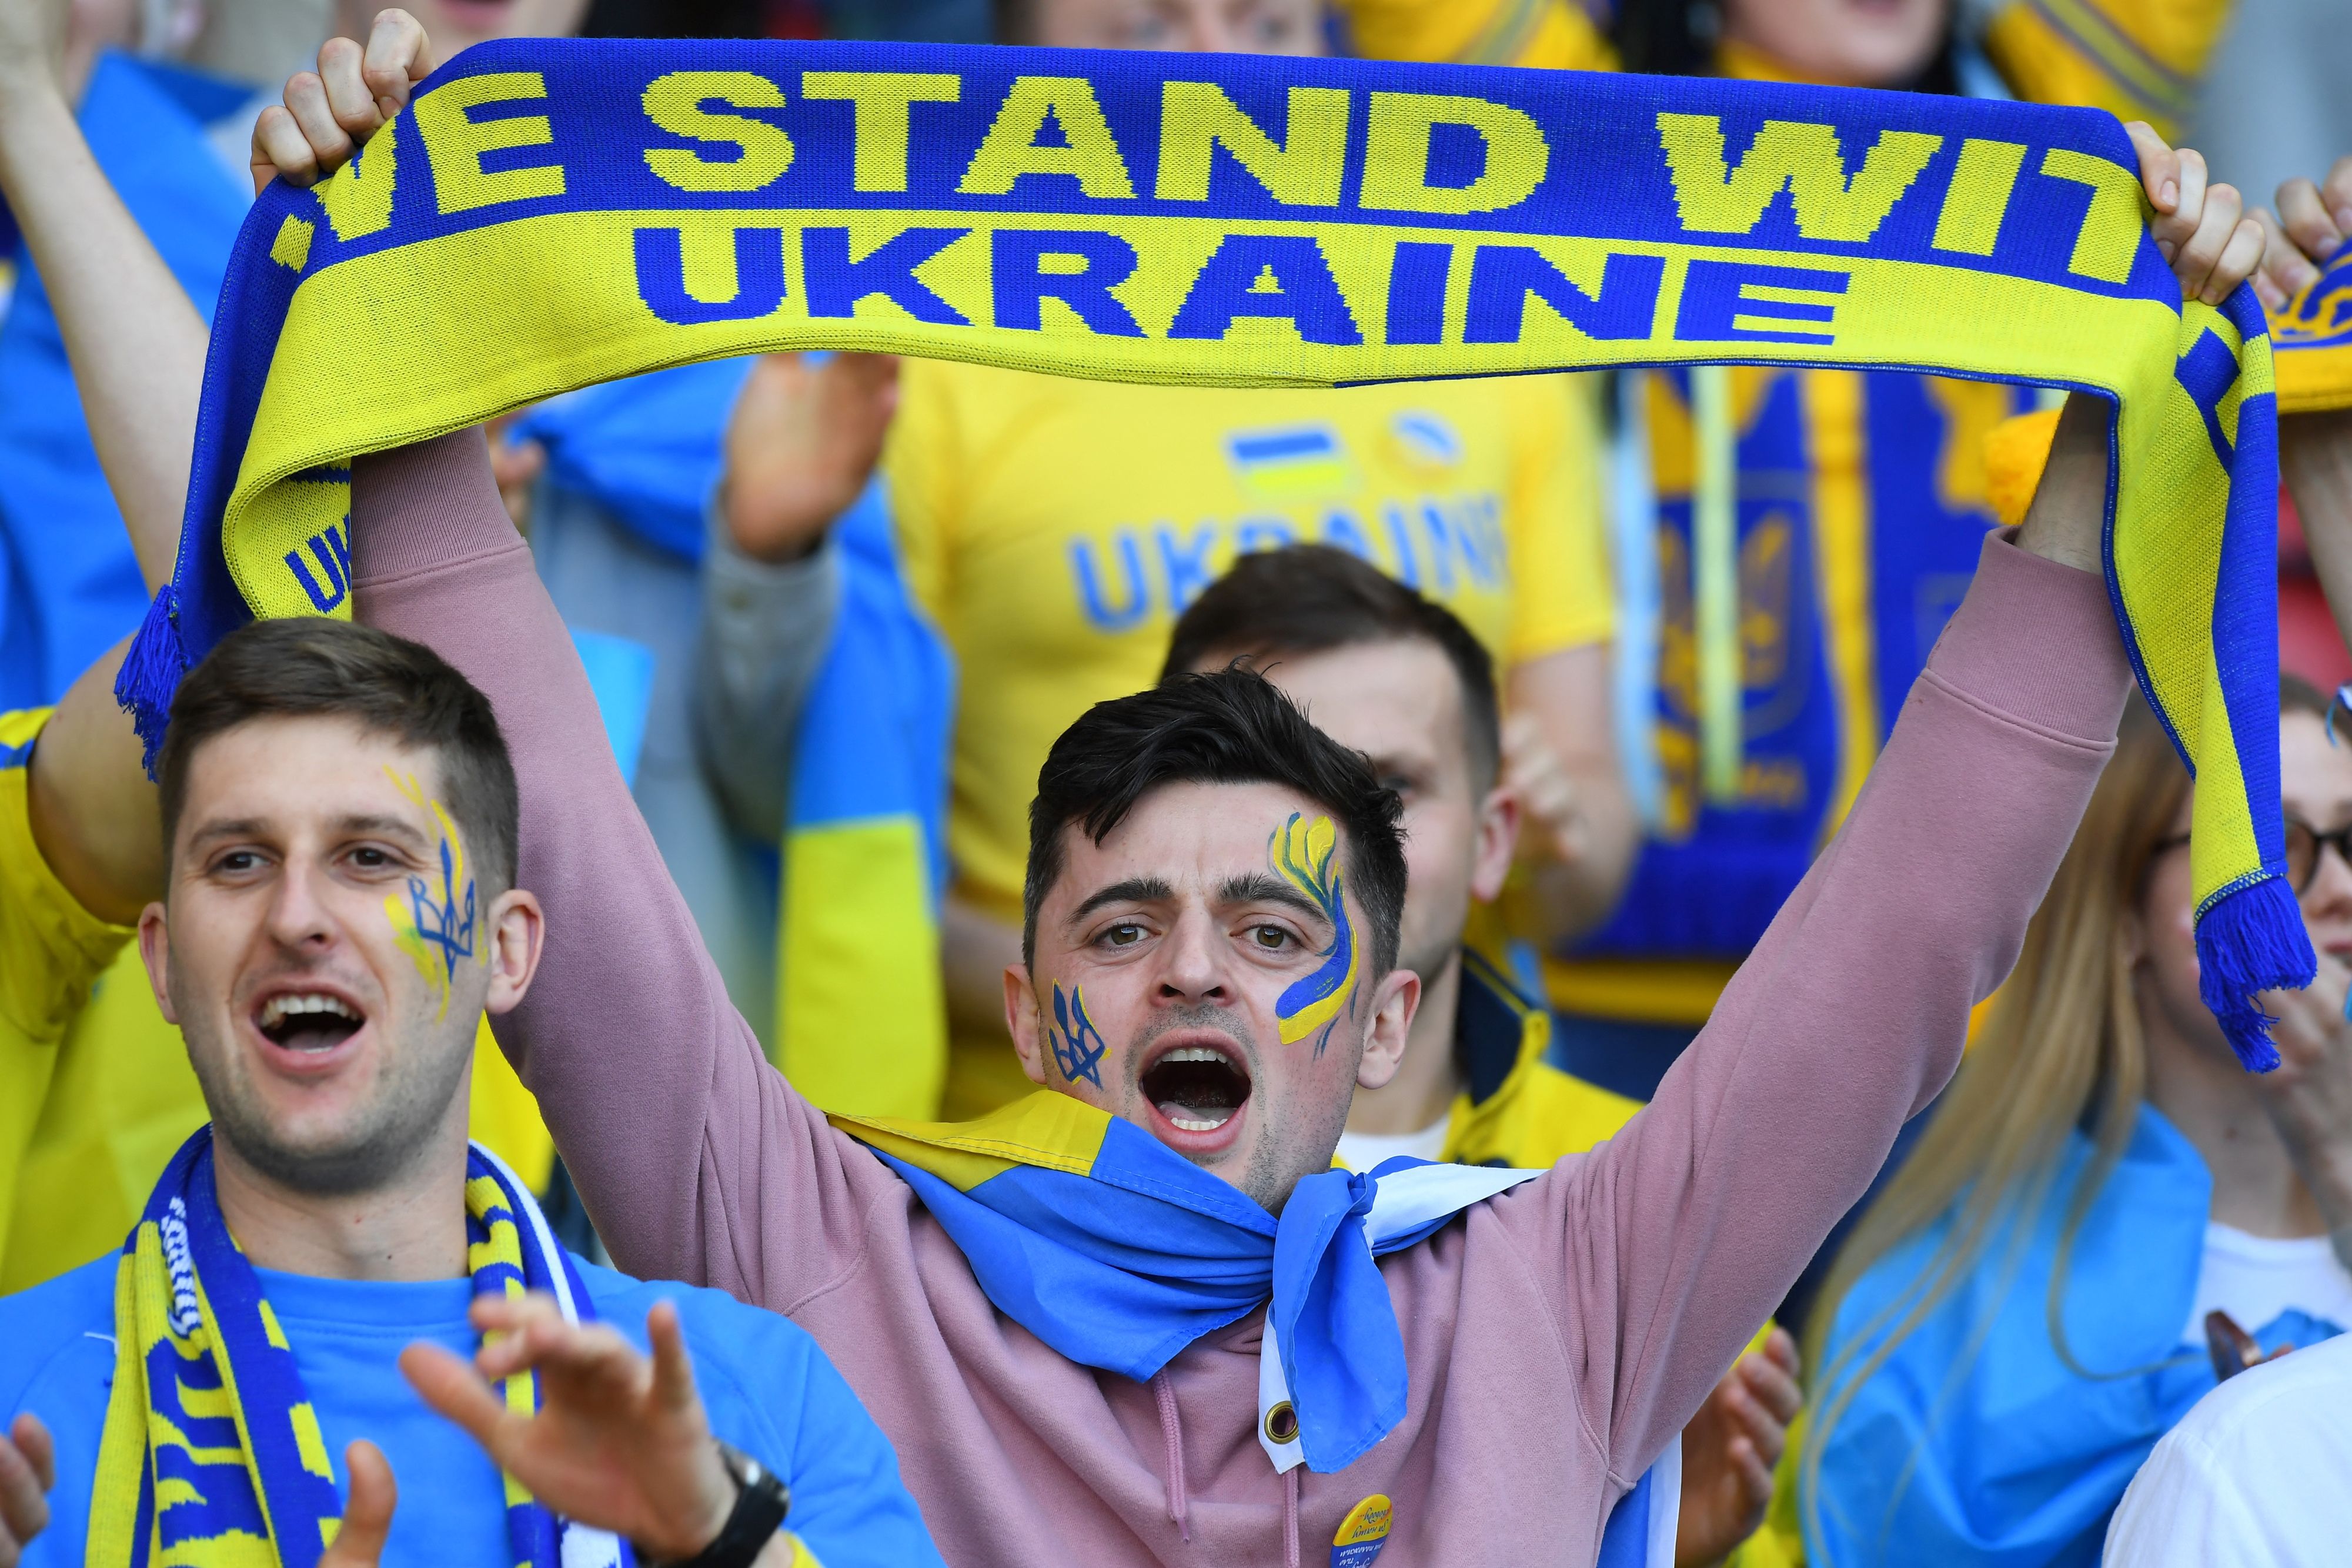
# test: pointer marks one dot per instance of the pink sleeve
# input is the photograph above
(697, 1161)
(1669, 1246)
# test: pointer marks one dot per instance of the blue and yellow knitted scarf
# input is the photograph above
(546, 215)
(212, 1454)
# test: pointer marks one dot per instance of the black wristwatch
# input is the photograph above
(761, 1500)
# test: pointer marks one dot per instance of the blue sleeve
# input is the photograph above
(772, 1392)
(56, 1360)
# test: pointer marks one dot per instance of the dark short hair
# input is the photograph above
(311, 667)
(1310, 599)
(1014, 21)
(1232, 727)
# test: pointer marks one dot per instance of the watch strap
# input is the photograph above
(761, 1501)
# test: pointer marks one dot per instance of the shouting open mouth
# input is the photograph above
(308, 1025)
(1198, 1086)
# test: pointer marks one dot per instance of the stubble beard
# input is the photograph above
(381, 1140)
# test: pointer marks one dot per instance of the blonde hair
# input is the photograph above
(2061, 1048)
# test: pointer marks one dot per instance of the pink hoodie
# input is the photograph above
(1556, 1337)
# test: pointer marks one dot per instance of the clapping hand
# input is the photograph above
(619, 1442)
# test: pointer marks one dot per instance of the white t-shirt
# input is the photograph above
(2255, 1278)
(2258, 1474)
(1362, 1151)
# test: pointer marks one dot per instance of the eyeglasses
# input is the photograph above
(2303, 843)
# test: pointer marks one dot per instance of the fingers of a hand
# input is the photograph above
(2303, 213)
(33, 1441)
(2175, 228)
(502, 1315)
(24, 1500)
(349, 98)
(2159, 166)
(367, 1518)
(2336, 192)
(279, 148)
(2240, 256)
(306, 100)
(448, 1384)
(1780, 1345)
(2198, 258)
(1771, 1388)
(2283, 271)
(398, 54)
(673, 1366)
(1754, 1471)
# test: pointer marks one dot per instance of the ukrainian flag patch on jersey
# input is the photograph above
(1291, 465)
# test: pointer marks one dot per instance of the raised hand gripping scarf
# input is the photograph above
(1118, 1252)
(550, 213)
(211, 1454)
(2315, 341)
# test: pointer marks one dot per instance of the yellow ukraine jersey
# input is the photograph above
(95, 1088)
(1054, 529)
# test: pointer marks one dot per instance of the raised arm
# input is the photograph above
(1683, 1232)
(695, 1160)
(136, 344)
(137, 347)
(801, 444)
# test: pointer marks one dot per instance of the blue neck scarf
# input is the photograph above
(1118, 1252)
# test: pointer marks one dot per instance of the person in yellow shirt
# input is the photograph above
(1054, 530)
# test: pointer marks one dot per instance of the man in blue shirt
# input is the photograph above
(325, 1260)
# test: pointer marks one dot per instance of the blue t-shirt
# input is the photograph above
(770, 1390)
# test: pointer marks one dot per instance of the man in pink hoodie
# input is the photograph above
(1556, 1337)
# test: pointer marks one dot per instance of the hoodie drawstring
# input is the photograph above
(1290, 1518)
(1171, 1431)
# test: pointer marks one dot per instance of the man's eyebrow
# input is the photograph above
(1134, 890)
(232, 828)
(1264, 887)
(380, 825)
(362, 823)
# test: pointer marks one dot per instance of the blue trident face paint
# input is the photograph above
(436, 931)
(1079, 1046)
(1305, 854)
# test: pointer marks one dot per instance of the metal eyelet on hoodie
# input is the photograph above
(1281, 1423)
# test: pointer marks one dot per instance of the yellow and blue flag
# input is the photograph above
(1118, 1252)
(549, 213)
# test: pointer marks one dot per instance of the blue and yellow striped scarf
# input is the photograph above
(547, 213)
(212, 1454)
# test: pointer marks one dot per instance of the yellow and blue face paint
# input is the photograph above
(1079, 1046)
(1304, 854)
(434, 932)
